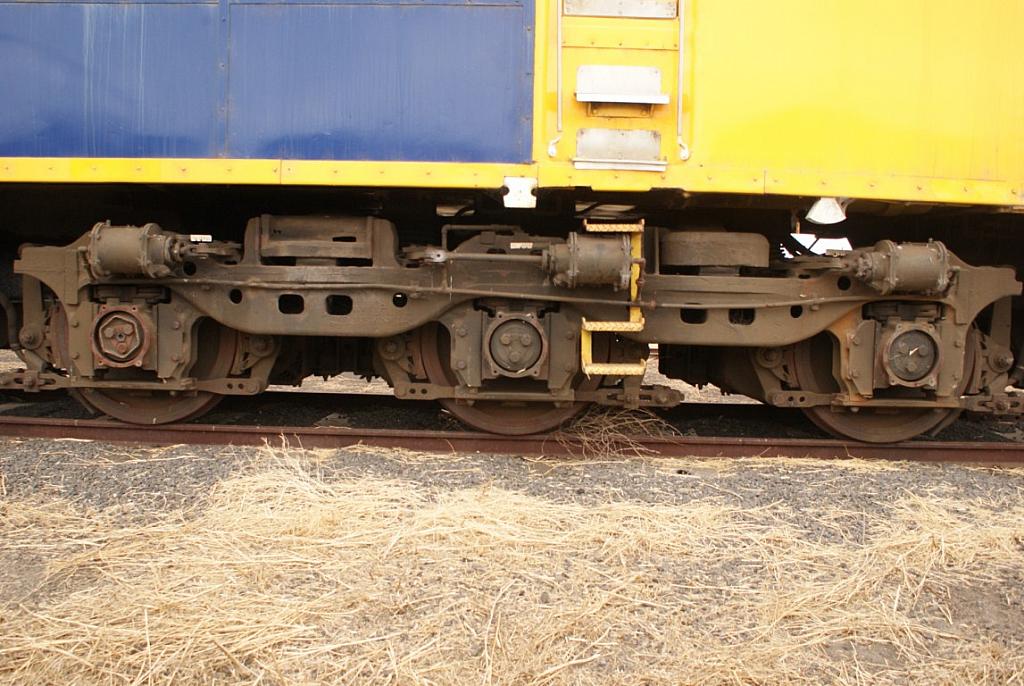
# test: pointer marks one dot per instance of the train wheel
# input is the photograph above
(216, 345)
(512, 418)
(813, 362)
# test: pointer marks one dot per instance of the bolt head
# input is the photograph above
(119, 338)
(1002, 362)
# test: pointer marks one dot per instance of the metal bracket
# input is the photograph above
(635, 9)
(997, 404)
(520, 192)
(632, 149)
(619, 84)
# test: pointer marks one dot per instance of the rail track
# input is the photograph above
(561, 444)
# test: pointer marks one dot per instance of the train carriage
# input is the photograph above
(501, 204)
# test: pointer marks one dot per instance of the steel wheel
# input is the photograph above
(216, 345)
(813, 360)
(493, 416)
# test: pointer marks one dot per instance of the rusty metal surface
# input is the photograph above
(514, 317)
(538, 444)
(713, 248)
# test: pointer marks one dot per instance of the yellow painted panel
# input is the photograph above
(261, 172)
(915, 100)
(662, 118)
(918, 100)
(406, 174)
(855, 93)
(637, 34)
(138, 170)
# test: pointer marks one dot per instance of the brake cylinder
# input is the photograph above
(590, 261)
(920, 268)
(133, 251)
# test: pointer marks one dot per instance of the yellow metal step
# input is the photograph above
(616, 369)
(634, 324)
(591, 368)
(614, 228)
(626, 327)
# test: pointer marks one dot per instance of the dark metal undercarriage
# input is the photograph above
(516, 330)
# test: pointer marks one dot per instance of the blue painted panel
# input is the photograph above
(425, 80)
(381, 82)
(110, 80)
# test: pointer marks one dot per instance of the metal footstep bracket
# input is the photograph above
(634, 324)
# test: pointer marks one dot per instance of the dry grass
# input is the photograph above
(282, 577)
(611, 432)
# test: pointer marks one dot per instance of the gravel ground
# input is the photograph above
(102, 475)
(835, 507)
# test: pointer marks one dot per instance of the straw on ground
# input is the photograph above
(282, 577)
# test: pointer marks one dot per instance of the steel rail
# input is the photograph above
(466, 441)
